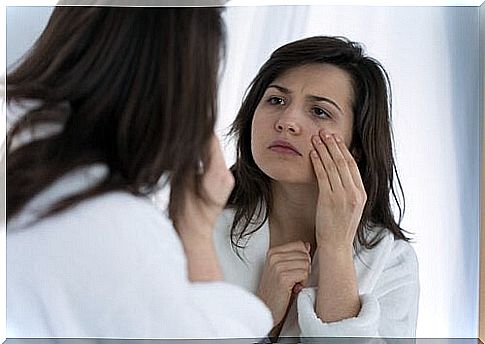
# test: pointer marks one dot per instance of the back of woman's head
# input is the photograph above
(371, 144)
(134, 88)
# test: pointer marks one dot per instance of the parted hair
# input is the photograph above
(372, 141)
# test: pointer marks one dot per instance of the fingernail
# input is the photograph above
(307, 245)
(338, 138)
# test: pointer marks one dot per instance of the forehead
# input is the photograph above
(320, 79)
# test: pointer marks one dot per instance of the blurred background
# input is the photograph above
(432, 57)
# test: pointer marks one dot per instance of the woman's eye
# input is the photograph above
(276, 101)
(320, 112)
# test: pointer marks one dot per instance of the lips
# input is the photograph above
(283, 147)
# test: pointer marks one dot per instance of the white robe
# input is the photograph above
(113, 266)
(388, 286)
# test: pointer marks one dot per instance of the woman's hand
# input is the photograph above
(341, 200)
(285, 272)
(341, 197)
(195, 224)
(200, 213)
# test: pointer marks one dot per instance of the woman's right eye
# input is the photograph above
(276, 101)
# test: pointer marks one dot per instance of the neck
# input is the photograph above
(292, 216)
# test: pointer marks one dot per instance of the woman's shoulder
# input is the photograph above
(403, 256)
(400, 248)
(115, 209)
(110, 214)
(390, 251)
(116, 228)
(122, 204)
(122, 208)
(391, 260)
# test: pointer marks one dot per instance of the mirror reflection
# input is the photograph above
(353, 135)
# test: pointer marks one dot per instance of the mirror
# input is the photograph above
(432, 57)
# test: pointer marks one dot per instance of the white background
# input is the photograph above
(432, 56)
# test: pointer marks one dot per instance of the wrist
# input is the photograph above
(202, 261)
(197, 243)
(343, 251)
(195, 234)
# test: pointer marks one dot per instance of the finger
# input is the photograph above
(320, 173)
(291, 277)
(288, 265)
(276, 258)
(298, 245)
(292, 255)
(328, 164)
(352, 164)
(331, 141)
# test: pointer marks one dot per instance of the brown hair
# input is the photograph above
(371, 138)
(133, 88)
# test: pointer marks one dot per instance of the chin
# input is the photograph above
(286, 174)
(285, 169)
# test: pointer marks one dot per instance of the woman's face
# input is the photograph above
(294, 107)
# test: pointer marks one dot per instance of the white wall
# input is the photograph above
(431, 54)
(24, 25)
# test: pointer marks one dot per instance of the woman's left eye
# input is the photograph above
(320, 112)
(276, 101)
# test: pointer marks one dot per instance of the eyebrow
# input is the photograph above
(311, 97)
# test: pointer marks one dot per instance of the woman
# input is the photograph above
(110, 106)
(310, 214)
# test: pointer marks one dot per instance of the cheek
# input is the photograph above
(259, 129)
(345, 133)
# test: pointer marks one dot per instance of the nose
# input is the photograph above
(287, 123)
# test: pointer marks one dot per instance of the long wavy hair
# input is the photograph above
(131, 88)
(372, 139)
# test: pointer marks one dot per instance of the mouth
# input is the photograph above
(283, 147)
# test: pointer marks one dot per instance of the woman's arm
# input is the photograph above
(202, 261)
(340, 204)
(338, 292)
(388, 309)
(195, 223)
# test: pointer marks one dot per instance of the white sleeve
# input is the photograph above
(173, 306)
(168, 305)
(234, 312)
(390, 310)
